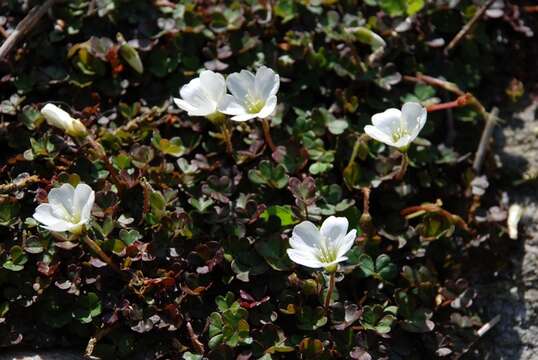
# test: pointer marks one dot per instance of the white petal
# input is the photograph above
(63, 226)
(213, 84)
(62, 197)
(230, 106)
(45, 215)
(387, 121)
(266, 83)
(378, 135)
(244, 117)
(305, 234)
(83, 202)
(269, 107)
(346, 243)
(83, 195)
(56, 116)
(301, 258)
(241, 85)
(414, 116)
(195, 95)
(183, 105)
(338, 260)
(334, 228)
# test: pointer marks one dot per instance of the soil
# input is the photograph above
(514, 294)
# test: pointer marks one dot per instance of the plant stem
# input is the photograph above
(330, 290)
(403, 167)
(108, 165)
(267, 135)
(102, 255)
(227, 136)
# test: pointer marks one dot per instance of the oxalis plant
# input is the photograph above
(254, 180)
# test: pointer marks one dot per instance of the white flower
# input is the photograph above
(252, 95)
(202, 96)
(62, 120)
(68, 209)
(323, 248)
(398, 128)
(515, 212)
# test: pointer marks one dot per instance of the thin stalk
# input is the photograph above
(403, 167)
(108, 165)
(102, 255)
(330, 290)
(227, 136)
(267, 135)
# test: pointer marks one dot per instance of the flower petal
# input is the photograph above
(334, 228)
(266, 82)
(183, 105)
(304, 259)
(346, 243)
(83, 202)
(414, 116)
(241, 85)
(63, 226)
(269, 107)
(387, 121)
(304, 235)
(244, 117)
(213, 84)
(62, 197)
(230, 106)
(56, 116)
(83, 195)
(378, 135)
(195, 96)
(45, 215)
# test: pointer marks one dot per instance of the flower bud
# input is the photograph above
(62, 120)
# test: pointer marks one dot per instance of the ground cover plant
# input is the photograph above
(255, 180)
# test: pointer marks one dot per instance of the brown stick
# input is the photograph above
(27, 181)
(453, 88)
(403, 168)
(484, 140)
(267, 135)
(465, 30)
(24, 27)
(102, 255)
(198, 346)
(330, 291)
(459, 102)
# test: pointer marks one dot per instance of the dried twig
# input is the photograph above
(470, 99)
(16, 185)
(484, 140)
(465, 30)
(24, 27)
(198, 346)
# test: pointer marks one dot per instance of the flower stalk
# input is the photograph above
(102, 255)
(330, 290)
(267, 135)
(403, 167)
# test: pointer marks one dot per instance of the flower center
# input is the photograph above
(72, 217)
(399, 133)
(254, 105)
(326, 254)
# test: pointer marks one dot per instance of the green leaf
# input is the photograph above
(129, 236)
(366, 264)
(385, 268)
(283, 212)
(414, 6)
